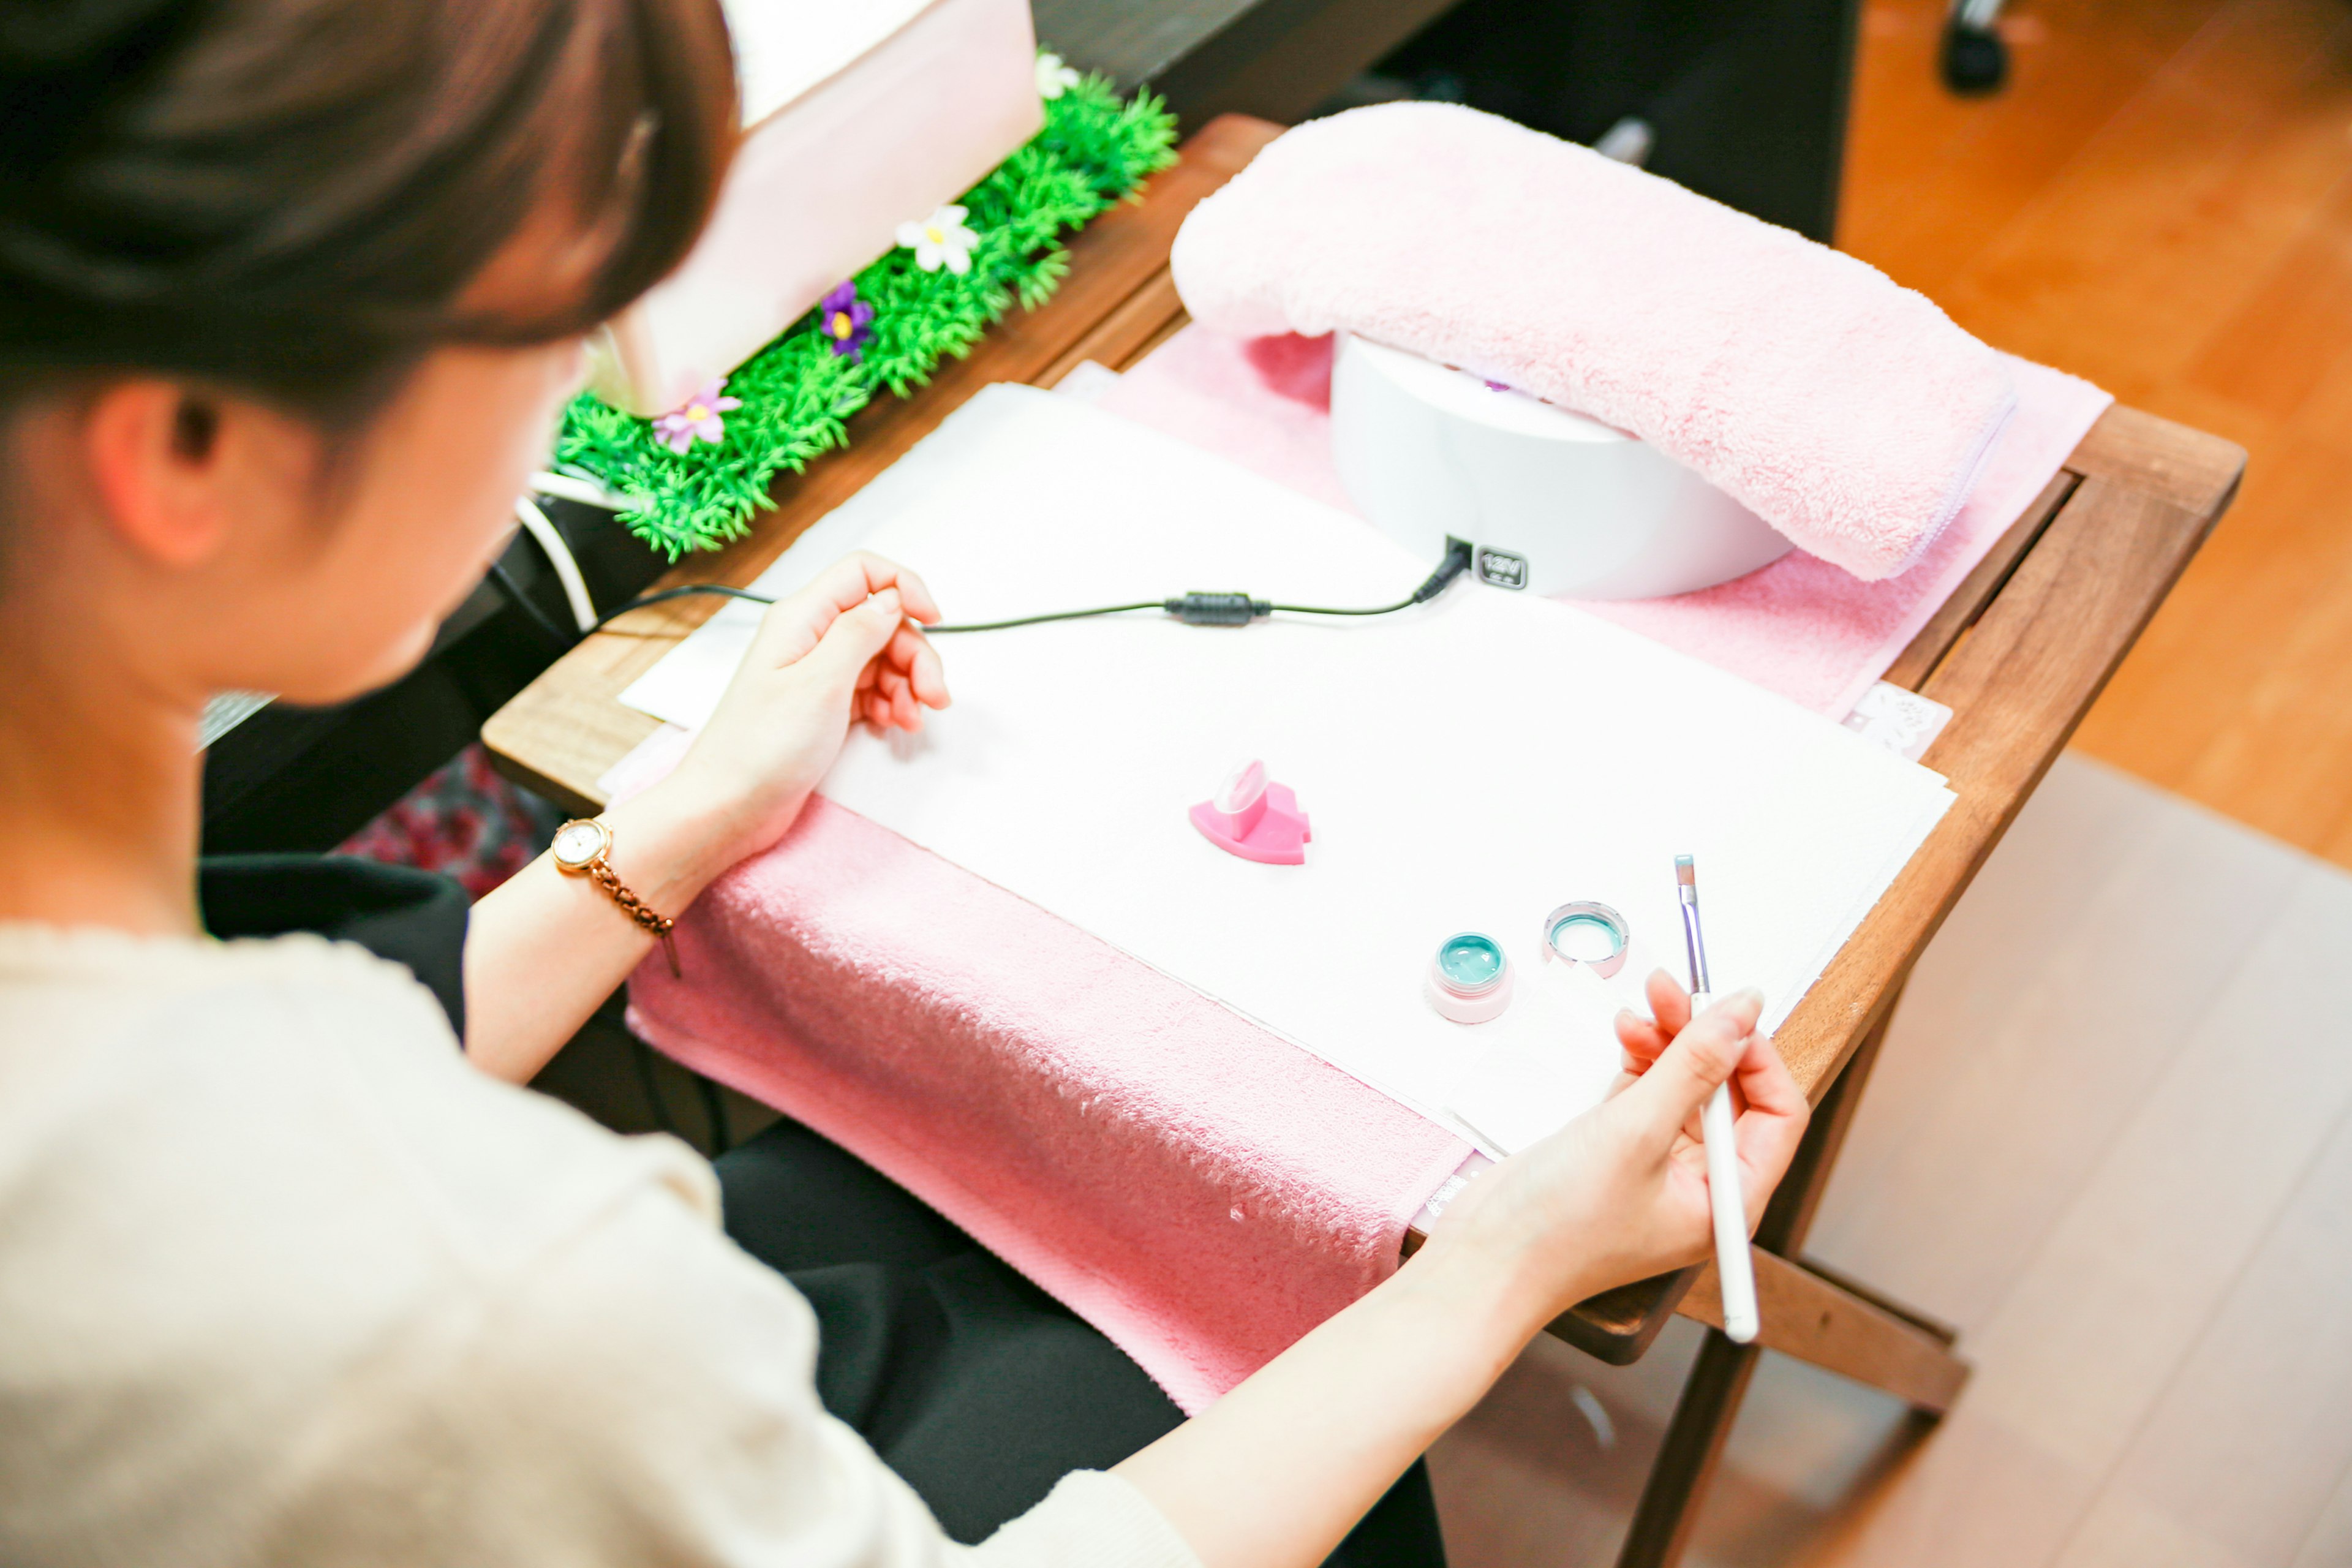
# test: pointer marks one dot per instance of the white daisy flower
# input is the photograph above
(1054, 78)
(940, 240)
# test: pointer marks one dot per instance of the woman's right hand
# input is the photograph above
(1621, 1193)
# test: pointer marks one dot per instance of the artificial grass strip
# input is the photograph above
(1095, 149)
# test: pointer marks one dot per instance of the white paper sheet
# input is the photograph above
(1468, 765)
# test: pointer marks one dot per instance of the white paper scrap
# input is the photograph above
(1903, 721)
(1468, 765)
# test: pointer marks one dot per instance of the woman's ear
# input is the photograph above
(157, 455)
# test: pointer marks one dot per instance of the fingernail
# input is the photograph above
(1627, 1015)
(1748, 994)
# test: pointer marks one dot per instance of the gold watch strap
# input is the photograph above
(600, 872)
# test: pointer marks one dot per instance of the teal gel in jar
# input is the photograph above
(1469, 979)
(1470, 962)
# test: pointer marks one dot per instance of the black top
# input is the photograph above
(413, 918)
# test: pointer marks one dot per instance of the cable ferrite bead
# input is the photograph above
(1218, 610)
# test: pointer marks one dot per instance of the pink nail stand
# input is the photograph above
(1256, 819)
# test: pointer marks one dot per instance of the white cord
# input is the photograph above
(226, 712)
(584, 492)
(1628, 141)
(559, 555)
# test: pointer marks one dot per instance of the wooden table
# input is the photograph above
(2018, 654)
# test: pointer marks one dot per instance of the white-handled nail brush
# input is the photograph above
(1735, 1272)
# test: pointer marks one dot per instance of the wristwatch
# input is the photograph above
(583, 847)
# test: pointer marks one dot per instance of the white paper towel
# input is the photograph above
(1468, 765)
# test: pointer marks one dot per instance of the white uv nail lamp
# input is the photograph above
(1554, 502)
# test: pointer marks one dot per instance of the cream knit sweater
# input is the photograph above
(283, 1280)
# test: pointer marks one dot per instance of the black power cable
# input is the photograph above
(1193, 609)
(523, 602)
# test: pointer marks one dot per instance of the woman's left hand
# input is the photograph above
(846, 647)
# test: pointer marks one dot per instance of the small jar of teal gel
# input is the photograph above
(1470, 978)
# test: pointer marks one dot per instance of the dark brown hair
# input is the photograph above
(293, 196)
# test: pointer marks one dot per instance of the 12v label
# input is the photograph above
(1501, 568)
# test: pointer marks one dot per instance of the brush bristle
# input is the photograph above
(1684, 872)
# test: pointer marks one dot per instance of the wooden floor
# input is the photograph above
(2111, 1137)
(2162, 200)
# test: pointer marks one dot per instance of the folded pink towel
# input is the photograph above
(1847, 412)
(1799, 627)
(1200, 1190)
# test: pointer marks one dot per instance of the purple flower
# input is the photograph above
(844, 319)
(698, 416)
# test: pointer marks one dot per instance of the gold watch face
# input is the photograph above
(579, 844)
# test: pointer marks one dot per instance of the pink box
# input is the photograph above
(821, 185)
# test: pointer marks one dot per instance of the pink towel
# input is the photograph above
(1201, 1191)
(1847, 412)
(1799, 627)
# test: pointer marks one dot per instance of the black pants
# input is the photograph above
(972, 1383)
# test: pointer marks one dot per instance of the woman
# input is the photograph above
(290, 293)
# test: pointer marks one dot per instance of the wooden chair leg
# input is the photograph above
(1818, 1321)
(1687, 1458)
(1944, 1333)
